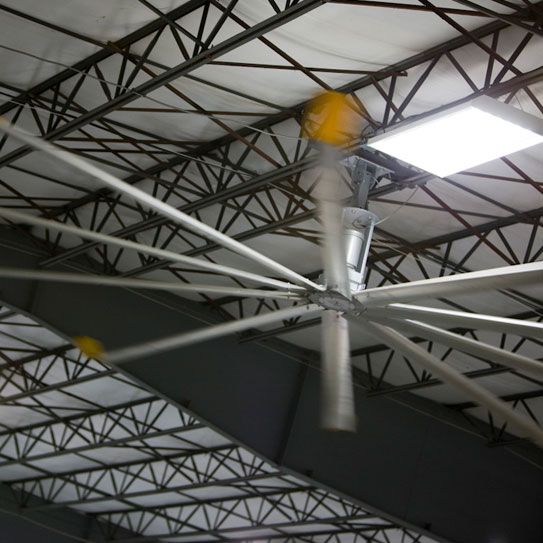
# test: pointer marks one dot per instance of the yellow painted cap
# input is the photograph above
(331, 118)
(89, 346)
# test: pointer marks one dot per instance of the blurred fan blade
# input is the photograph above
(337, 389)
(334, 255)
(462, 319)
(330, 121)
(464, 344)
(415, 353)
(459, 284)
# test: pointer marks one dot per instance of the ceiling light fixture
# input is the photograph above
(462, 137)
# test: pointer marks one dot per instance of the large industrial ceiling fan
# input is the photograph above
(342, 300)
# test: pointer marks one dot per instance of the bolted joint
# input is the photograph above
(358, 219)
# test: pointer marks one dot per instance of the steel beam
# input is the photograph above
(90, 61)
(235, 482)
(358, 525)
(267, 123)
(197, 61)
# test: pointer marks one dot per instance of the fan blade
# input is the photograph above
(184, 339)
(462, 319)
(126, 282)
(432, 364)
(150, 202)
(334, 255)
(163, 254)
(337, 387)
(461, 283)
(327, 120)
(471, 346)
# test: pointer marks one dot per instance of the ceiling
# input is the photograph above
(200, 103)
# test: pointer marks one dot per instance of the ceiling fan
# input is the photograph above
(342, 300)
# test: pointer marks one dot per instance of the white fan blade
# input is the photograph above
(126, 282)
(461, 283)
(150, 202)
(524, 426)
(471, 346)
(176, 341)
(462, 319)
(334, 256)
(25, 218)
(337, 387)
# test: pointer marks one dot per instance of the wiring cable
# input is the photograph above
(399, 208)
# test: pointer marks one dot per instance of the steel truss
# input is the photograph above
(258, 191)
(279, 212)
(158, 457)
(280, 203)
(249, 204)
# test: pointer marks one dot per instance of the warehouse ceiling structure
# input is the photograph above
(200, 104)
(133, 460)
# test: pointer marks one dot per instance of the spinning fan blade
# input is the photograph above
(337, 387)
(154, 204)
(209, 333)
(334, 256)
(163, 254)
(126, 282)
(461, 283)
(327, 114)
(471, 346)
(434, 365)
(450, 318)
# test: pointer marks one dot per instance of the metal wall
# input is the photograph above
(61, 526)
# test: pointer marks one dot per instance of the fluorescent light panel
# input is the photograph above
(462, 137)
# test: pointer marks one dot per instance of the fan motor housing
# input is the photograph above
(358, 224)
(336, 301)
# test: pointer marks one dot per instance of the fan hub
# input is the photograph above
(338, 302)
